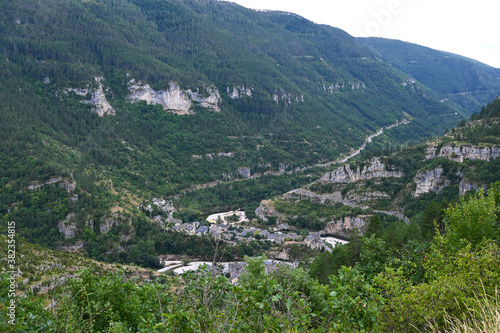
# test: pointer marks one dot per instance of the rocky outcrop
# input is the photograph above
(338, 87)
(107, 223)
(67, 227)
(97, 98)
(245, 172)
(303, 194)
(287, 98)
(68, 185)
(352, 198)
(283, 255)
(345, 174)
(101, 104)
(428, 181)
(238, 92)
(365, 196)
(283, 167)
(464, 152)
(465, 187)
(430, 152)
(345, 226)
(173, 99)
(210, 102)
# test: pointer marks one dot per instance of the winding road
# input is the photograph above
(277, 173)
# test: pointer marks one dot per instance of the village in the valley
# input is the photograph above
(232, 227)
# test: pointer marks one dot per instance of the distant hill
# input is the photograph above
(465, 81)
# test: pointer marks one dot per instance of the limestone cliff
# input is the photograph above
(210, 102)
(464, 152)
(101, 106)
(304, 194)
(428, 181)
(239, 92)
(286, 98)
(67, 227)
(345, 174)
(68, 185)
(173, 99)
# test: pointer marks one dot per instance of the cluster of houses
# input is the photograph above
(279, 235)
(227, 226)
(232, 234)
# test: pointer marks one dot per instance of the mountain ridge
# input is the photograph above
(465, 81)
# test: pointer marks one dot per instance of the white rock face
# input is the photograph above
(345, 174)
(338, 87)
(461, 153)
(67, 228)
(238, 92)
(366, 196)
(78, 91)
(286, 98)
(428, 181)
(173, 99)
(97, 98)
(210, 102)
(245, 172)
(107, 223)
(101, 104)
(430, 152)
(69, 186)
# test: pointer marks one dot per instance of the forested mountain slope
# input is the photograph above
(462, 80)
(403, 277)
(105, 104)
(409, 185)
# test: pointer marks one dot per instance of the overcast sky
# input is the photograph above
(469, 28)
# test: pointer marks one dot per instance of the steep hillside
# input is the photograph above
(400, 186)
(461, 80)
(107, 104)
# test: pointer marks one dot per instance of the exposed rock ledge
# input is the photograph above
(69, 186)
(67, 227)
(344, 174)
(173, 99)
(461, 153)
(428, 181)
(239, 91)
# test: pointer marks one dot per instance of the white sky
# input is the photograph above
(469, 28)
